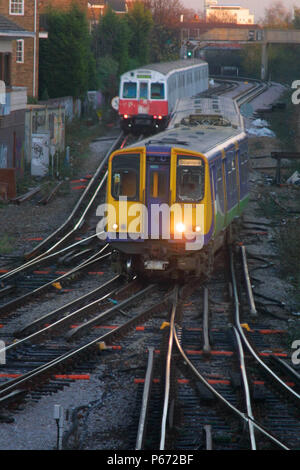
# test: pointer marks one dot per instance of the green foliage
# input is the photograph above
(107, 70)
(67, 66)
(296, 21)
(112, 37)
(251, 61)
(140, 23)
(165, 44)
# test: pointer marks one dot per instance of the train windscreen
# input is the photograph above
(190, 179)
(157, 91)
(129, 90)
(125, 176)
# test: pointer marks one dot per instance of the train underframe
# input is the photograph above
(144, 123)
(163, 260)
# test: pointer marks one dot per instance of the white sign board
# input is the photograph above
(40, 154)
(115, 103)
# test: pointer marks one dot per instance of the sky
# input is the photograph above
(257, 7)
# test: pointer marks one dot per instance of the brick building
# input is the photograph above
(25, 53)
(13, 101)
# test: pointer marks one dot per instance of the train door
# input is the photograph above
(157, 193)
(143, 91)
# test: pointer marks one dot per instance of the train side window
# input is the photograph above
(129, 90)
(143, 90)
(125, 176)
(190, 179)
(220, 190)
(157, 91)
(244, 167)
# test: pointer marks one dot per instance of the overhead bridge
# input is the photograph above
(193, 38)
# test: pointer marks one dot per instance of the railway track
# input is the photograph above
(61, 353)
(216, 386)
(56, 355)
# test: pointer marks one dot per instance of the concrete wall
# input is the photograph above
(41, 119)
(72, 106)
(12, 141)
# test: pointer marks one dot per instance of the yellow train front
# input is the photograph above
(171, 198)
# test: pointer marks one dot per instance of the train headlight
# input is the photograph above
(180, 227)
(115, 226)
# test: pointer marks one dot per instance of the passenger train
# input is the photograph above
(148, 95)
(172, 197)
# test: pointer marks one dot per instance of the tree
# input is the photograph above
(107, 70)
(277, 16)
(165, 37)
(67, 66)
(221, 17)
(113, 37)
(140, 23)
(296, 21)
(166, 12)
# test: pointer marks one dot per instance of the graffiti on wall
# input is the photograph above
(40, 154)
(50, 120)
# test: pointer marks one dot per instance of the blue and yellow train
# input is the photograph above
(171, 198)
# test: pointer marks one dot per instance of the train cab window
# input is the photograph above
(129, 90)
(190, 179)
(143, 90)
(125, 176)
(157, 91)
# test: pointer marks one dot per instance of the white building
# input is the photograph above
(228, 14)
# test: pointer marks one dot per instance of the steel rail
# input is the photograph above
(235, 410)
(43, 257)
(48, 329)
(6, 308)
(145, 401)
(124, 303)
(7, 388)
(246, 389)
(253, 310)
(168, 373)
(244, 338)
(206, 344)
(29, 328)
(60, 229)
(81, 199)
(52, 255)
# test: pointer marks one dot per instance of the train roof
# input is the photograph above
(200, 124)
(167, 67)
(220, 110)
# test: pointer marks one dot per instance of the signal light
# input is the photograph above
(189, 53)
(126, 116)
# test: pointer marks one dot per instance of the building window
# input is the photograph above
(20, 51)
(5, 61)
(16, 7)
